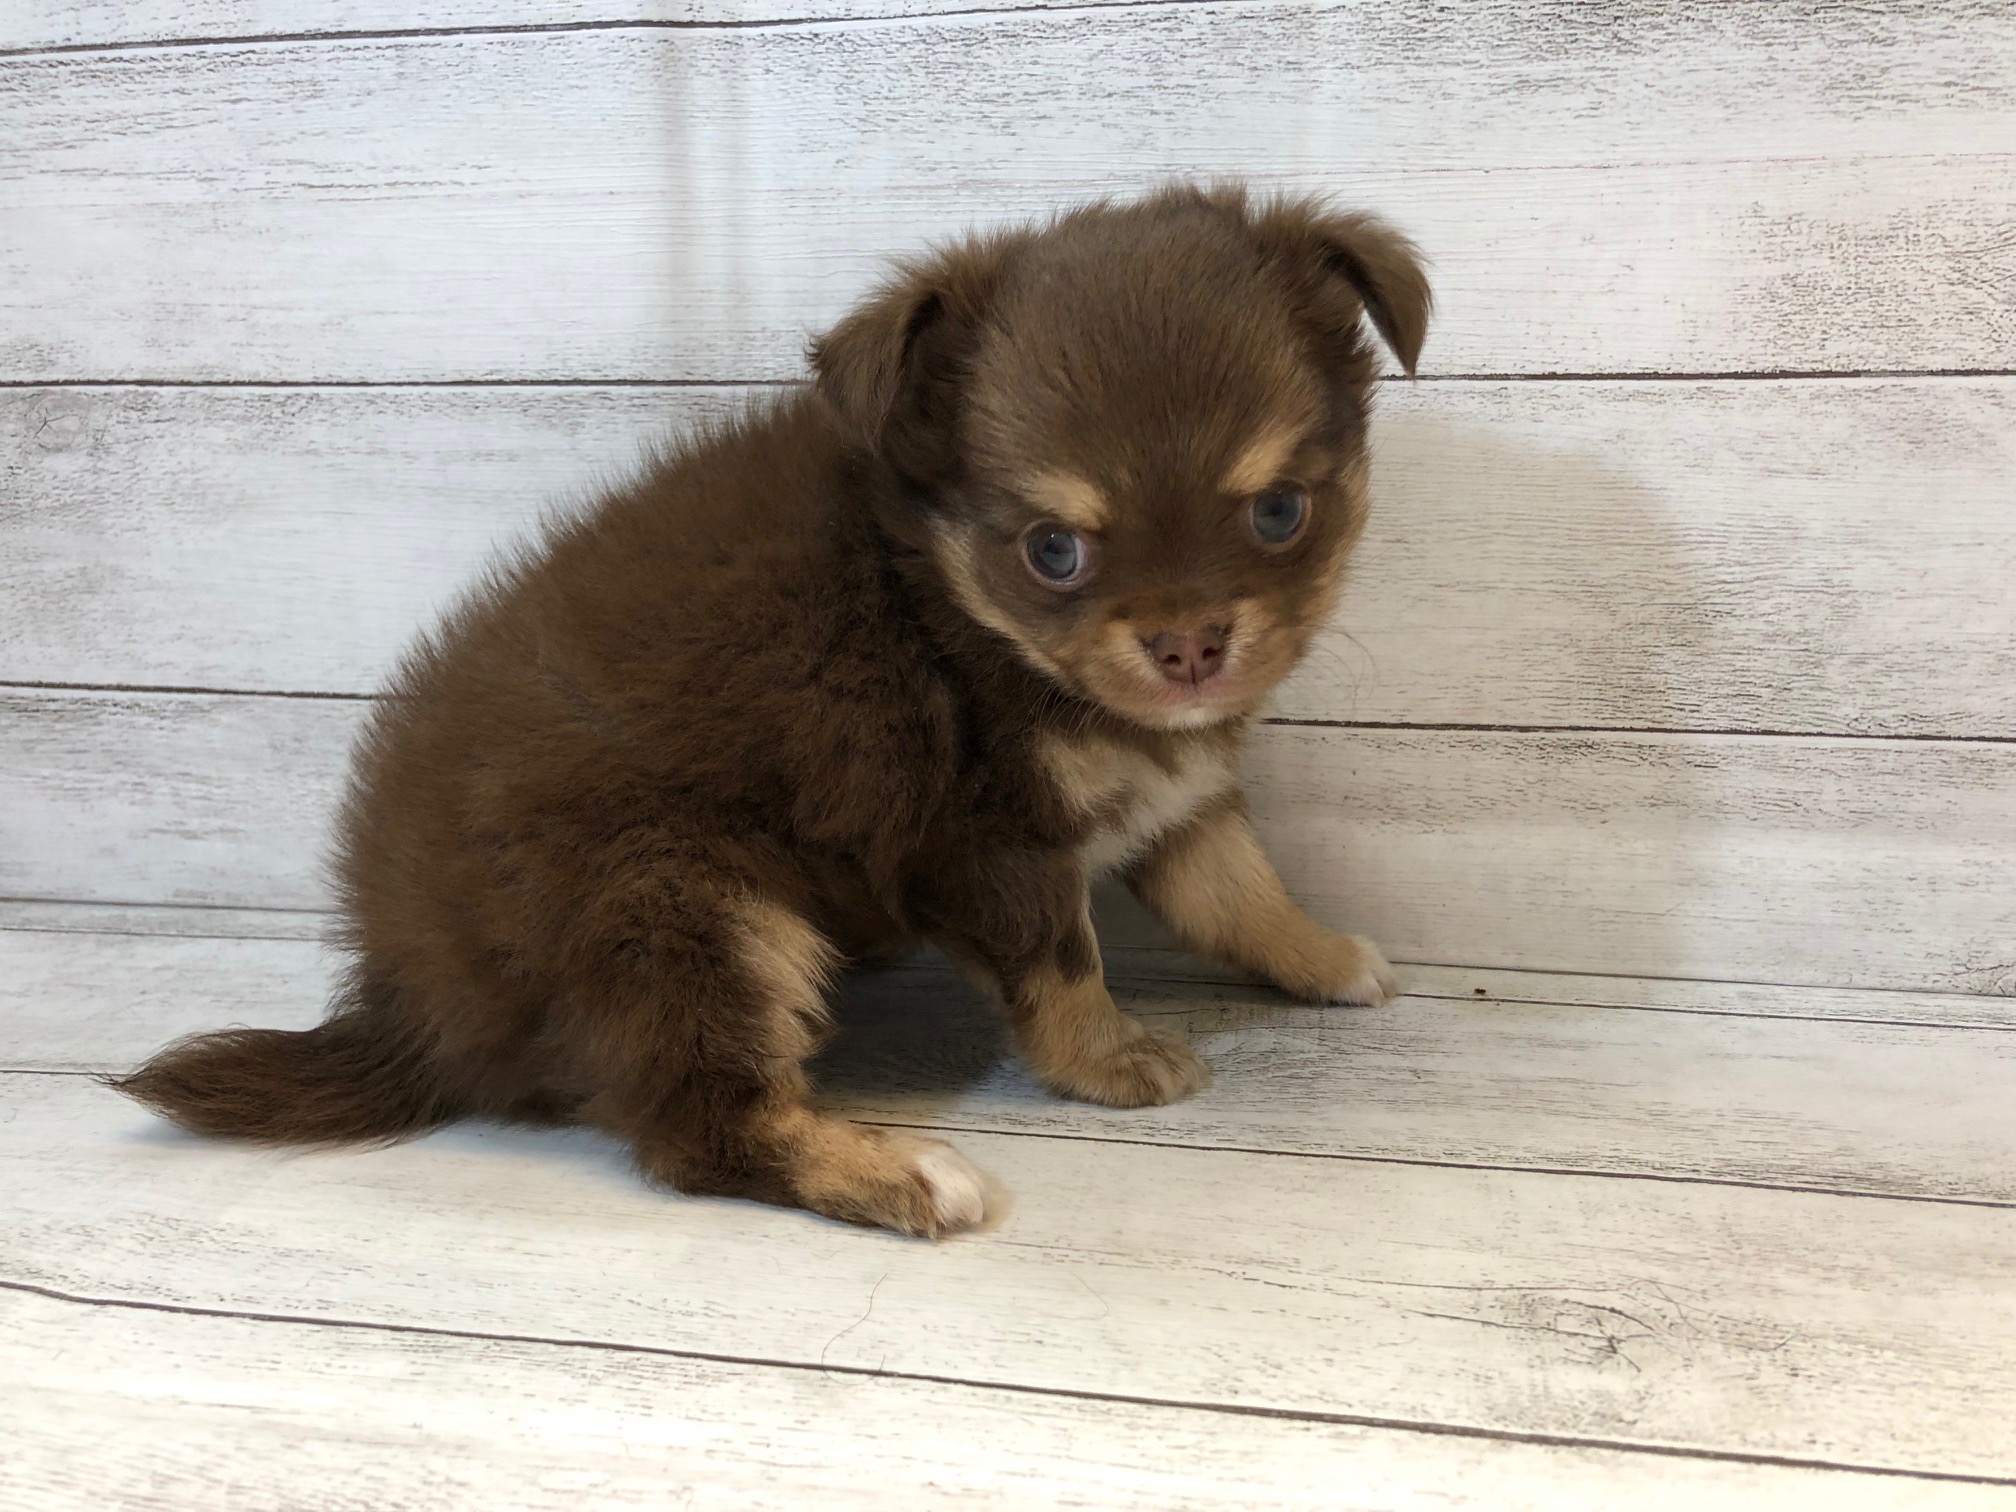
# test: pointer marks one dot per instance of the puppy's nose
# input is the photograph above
(1188, 656)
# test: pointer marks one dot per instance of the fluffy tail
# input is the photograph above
(360, 1075)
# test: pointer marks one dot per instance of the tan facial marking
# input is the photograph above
(1114, 667)
(1262, 461)
(1069, 498)
(955, 551)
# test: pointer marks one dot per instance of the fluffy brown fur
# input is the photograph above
(802, 696)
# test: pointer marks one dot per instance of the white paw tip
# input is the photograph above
(958, 1190)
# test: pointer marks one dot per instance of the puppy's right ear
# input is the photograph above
(891, 371)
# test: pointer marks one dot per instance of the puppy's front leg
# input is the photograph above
(1067, 1028)
(1210, 882)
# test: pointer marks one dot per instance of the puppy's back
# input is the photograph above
(717, 647)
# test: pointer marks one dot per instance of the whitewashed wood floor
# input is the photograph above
(1517, 1241)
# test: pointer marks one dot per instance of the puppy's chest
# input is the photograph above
(1128, 798)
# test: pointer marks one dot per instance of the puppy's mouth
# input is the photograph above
(1180, 677)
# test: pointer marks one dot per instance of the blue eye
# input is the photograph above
(1055, 555)
(1277, 515)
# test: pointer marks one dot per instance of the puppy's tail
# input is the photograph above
(361, 1074)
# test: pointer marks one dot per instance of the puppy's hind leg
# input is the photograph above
(699, 1062)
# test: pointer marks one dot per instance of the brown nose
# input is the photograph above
(1189, 656)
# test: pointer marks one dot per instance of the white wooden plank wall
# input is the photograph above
(1812, 557)
(1673, 651)
(1615, 188)
(1668, 729)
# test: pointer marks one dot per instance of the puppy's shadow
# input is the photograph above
(911, 1042)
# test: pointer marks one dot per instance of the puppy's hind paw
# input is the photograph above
(888, 1178)
(957, 1188)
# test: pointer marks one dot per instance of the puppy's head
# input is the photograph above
(1134, 441)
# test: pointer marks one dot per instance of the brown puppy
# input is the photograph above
(910, 655)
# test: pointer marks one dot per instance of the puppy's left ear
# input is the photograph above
(1374, 262)
(893, 369)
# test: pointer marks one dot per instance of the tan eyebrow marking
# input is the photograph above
(1263, 459)
(1067, 497)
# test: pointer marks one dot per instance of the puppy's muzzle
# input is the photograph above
(1188, 656)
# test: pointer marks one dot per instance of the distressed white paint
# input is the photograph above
(1824, 557)
(322, 1419)
(1720, 193)
(1849, 862)
(1864, 863)
(189, 921)
(31, 24)
(1675, 1313)
(1716, 1094)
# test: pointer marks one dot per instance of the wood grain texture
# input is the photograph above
(1544, 1086)
(1742, 187)
(1850, 863)
(316, 1419)
(1822, 557)
(1533, 1085)
(31, 24)
(1846, 863)
(1640, 1312)
(193, 921)
(285, 539)
(81, 1003)
(154, 798)
(1138, 953)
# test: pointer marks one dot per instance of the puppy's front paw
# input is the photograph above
(1150, 1069)
(1341, 969)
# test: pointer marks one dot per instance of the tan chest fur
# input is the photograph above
(1133, 797)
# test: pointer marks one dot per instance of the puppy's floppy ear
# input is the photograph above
(892, 367)
(858, 365)
(1379, 265)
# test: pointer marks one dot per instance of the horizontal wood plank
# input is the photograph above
(1852, 863)
(1724, 194)
(286, 539)
(1653, 1313)
(190, 921)
(1139, 952)
(1823, 557)
(32, 24)
(1831, 862)
(1535, 1085)
(157, 798)
(316, 1419)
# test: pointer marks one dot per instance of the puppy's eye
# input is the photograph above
(1056, 555)
(1277, 515)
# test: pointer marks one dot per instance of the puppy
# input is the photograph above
(910, 655)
